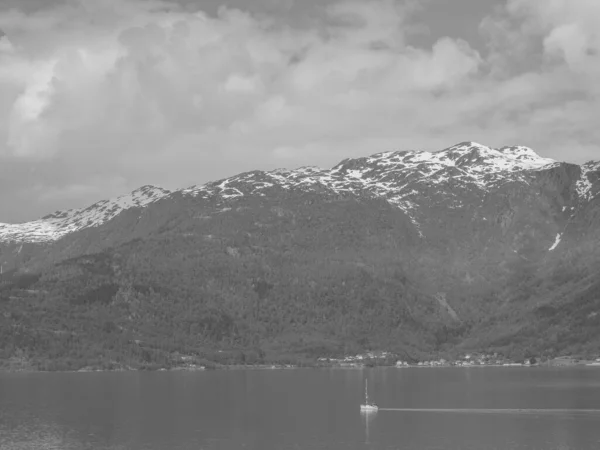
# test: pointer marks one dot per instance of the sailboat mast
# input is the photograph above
(367, 392)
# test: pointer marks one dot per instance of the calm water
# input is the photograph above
(300, 409)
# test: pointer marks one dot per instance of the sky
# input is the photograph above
(100, 97)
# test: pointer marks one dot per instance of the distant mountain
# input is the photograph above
(399, 177)
(423, 253)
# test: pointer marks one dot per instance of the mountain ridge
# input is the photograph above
(466, 162)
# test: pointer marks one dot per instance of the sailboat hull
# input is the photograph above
(368, 408)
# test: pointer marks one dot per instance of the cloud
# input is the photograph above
(101, 97)
(556, 46)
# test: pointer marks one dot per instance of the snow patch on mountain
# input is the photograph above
(556, 242)
(589, 171)
(55, 225)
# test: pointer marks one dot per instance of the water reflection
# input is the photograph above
(368, 417)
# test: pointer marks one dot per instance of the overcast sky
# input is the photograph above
(98, 97)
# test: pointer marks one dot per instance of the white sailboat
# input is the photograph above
(368, 406)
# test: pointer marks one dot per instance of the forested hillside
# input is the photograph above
(246, 271)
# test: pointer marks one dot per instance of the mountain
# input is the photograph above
(424, 253)
(60, 223)
(399, 177)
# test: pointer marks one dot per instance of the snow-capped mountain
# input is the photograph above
(493, 249)
(409, 180)
(387, 174)
(58, 224)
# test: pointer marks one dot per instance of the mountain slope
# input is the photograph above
(424, 253)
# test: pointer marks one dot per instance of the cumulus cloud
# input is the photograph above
(99, 97)
(556, 46)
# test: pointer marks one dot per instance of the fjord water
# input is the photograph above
(301, 409)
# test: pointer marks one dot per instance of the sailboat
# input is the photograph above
(368, 406)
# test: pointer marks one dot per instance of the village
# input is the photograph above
(382, 358)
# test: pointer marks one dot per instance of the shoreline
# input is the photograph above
(291, 367)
